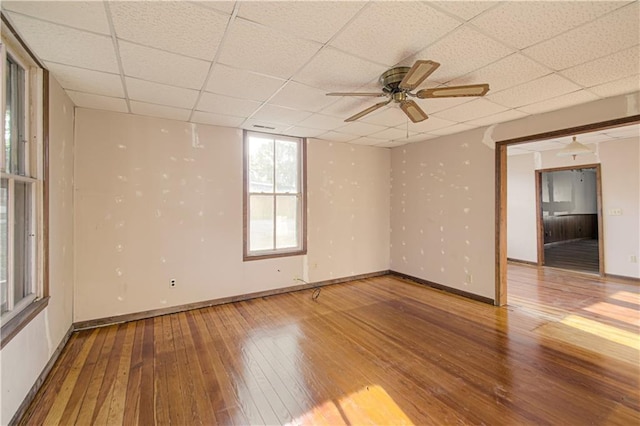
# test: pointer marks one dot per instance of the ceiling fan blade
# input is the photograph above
(454, 91)
(413, 111)
(367, 111)
(375, 95)
(417, 74)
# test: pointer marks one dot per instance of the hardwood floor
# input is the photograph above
(578, 255)
(381, 350)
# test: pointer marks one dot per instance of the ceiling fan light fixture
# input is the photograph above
(573, 149)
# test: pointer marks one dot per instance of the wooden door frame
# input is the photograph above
(539, 216)
(500, 298)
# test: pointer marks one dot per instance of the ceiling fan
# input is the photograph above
(397, 84)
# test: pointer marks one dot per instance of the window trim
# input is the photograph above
(297, 251)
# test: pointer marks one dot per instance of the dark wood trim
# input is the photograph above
(101, 322)
(521, 262)
(539, 219)
(14, 33)
(501, 227)
(444, 288)
(12, 327)
(601, 259)
(46, 182)
(565, 168)
(634, 280)
(15, 420)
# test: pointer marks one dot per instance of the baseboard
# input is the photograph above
(444, 288)
(622, 277)
(102, 322)
(40, 380)
(524, 262)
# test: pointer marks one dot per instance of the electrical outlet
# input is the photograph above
(172, 283)
(615, 212)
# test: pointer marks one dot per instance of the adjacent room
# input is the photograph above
(288, 212)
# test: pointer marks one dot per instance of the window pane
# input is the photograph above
(260, 164)
(14, 127)
(286, 221)
(23, 241)
(286, 166)
(4, 241)
(261, 222)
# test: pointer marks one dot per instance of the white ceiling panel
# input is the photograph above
(322, 122)
(432, 106)
(387, 32)
(64, 45)
(610, 68)
(477, 108)
(344, 107)
(156, 65)
(152, 110)
(623, 132)
(511, 114)
(303, 132)
(280, 115)
(390, 115)
(83, 80)
(419, 137)
(393, 134)
(337, 137)
(187, 29)
(244, 84)
(83, 15)
(522, 24)
(216, 119)
(296, 95)
(225, 6)
(265, 50)
(456, 128)
(162, 94)
(465, 9)
(317, 20)
(220, 104)
(87, 100)
(360, 129)
(430, 124)
(618, 87)
(365, 141)
(264, 126)
(611, 33)
(559, 102)
(544, 88)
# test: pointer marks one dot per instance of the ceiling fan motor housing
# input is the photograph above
(390, 79)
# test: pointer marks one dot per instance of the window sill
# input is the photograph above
(274, 255)
(11, 328)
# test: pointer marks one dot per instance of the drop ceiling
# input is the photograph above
(268, 65)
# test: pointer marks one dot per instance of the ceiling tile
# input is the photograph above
(84, 15)
(344, 107)
(616, 31)
(512, 114)
(624, 132)
(534, 91)
(322, 122)
(244, 84)
(264, 126)
(434, 105)
(391, 144)
(563, 101)
(618, 87)
(303, 132)
(225, 6)
(393, 134)
(281, 115)
(477, 108)
(296, 95)
(461, 52)
(522, 24)
(162, 94)
(390, 115)
(419, 137)
(387, 32)
(318, 20)
(265, 50)
(152, 110)
(178, 27)
(87, 100)
(430, 124)
(162, 67)
(613, 67)
(336, 71)
(365, 141)
(465, 9)
(360, 129)
(520, 70)
(512, 150)
(456, 128)
(337, 137)
(226, 105)
(216, 119)
(83, 80)
(66, 45)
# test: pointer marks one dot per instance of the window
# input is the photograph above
(275, 196)
(21, 189)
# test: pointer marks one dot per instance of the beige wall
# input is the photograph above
(159, 199)
(25, 356)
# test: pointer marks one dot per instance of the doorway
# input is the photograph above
(569, 222)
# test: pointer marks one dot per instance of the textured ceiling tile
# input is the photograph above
(264, 126)
(430, 124)
(507, 72)
(323, 122)
(613, 67)
(281, 115)
(84, 15)
(152, 110)
(512, 150)
(390, 115)
(87, 100)
(162, 67)
(318, 20)
(216, 119)
(420, 137)
(244, 84)
(463, 51)
(365, 141)
(296, 95)
(563, 101)
(303, 132)
(465, 9)
(162, 94)
(613, 32)
(219, 104)
(360, 129)
(500, 117)
(477, 108)
(83, 80)
(456, 128)
(618, 87)
(391, 144)
(387, 32)
(225, 6)
(66, 45)
(535, 91)
(624, 132)
(264, 50)
(337, 137)
(179, 27)
(434, 105)
(393, 134)
(333, 70)
(522, 24)
(344, 107)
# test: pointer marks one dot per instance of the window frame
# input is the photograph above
(301, 249)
